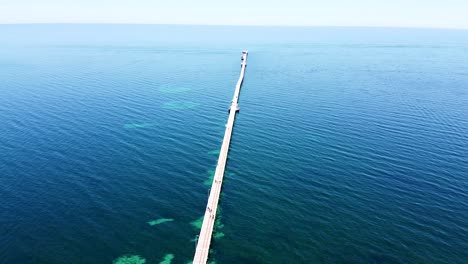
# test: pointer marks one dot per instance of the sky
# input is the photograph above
(373, 13)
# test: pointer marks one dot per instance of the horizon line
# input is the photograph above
(232, 25)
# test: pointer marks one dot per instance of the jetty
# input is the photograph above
(204, 239)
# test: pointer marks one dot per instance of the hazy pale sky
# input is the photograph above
(393, 13)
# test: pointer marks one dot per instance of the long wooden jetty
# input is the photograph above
(204, 239)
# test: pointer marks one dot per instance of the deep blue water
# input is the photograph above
(351, 145)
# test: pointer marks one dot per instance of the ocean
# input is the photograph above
(350, 146)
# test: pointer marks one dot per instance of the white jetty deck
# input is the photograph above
(204, 239)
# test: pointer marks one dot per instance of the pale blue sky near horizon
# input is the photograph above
(396, 13)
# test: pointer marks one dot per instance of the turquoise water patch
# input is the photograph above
(218, 225)
(208, 181)
(138, 125)
(218, 235)
(128, 259)
(167, 259)
(180, 105)
(171, 89)
(197, 223)
(214, 152)
(160, 221)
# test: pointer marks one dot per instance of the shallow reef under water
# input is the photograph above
(160, 221)
(167, 259)
(180, 105)
(130, 259)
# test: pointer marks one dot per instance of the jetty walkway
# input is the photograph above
(204, 239)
